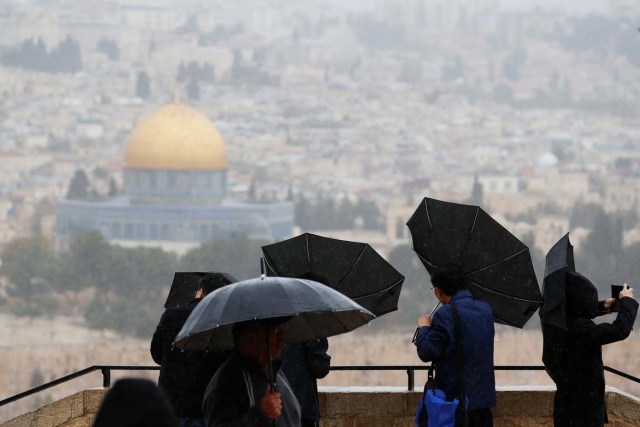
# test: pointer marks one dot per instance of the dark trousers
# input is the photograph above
(305, 422)
(477, 418)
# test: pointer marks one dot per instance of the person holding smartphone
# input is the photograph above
(579, 399)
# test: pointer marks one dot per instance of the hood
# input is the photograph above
(134, 402)
(582, 296)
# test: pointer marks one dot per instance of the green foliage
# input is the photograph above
(600, 256)
(110, 48)
(64, 58)
(236, 255)
(79, 186)
(28, 264)
(584, 215)
(193, 89)
(143, 85)
(40, 304)
(416, 297)
(328, 214)
(131, 270)
(136, 315)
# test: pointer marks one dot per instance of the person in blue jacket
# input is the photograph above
(435, 342)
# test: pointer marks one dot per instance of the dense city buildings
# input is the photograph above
(175, 192)
(386, 102)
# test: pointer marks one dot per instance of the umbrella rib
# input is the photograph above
(425, 260)
(498, 262)
(505, 321)
(352, 266)
(266, 261)
(466, 242)
(378, 292)
(505, 295)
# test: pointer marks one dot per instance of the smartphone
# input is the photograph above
(615, 291)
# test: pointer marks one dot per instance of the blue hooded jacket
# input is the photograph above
(436, 343)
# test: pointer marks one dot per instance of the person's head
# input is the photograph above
(250, 339)
(135, 402)
(581, 296)
(447, 280)
(212, 281)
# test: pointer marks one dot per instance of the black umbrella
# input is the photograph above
(496, 265)
(352, 268)
(186, 283)
(558, 263)
(314, 311)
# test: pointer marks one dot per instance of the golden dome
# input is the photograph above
(175, 136)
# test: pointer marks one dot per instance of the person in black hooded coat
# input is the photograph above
(303, 364)
(184, 374)
(579, 399)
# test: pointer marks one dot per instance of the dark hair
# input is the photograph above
(212, 281)
(135, 402)
(448, 278)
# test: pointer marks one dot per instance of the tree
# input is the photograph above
(369, 212)
(113, 188)
(416, 295)
(79, 186)
(235, 254)
(90, 254)
(600, 254)
(110, 48)
(477, 193)
(302, 213)
(193, 89)
(28, 264)
(513, 65)
(143, 85)
(584, 215)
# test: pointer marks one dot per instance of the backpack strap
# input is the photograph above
(459, 348)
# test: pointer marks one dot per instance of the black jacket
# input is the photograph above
(184, 375)
(579, 399)
(234, 394)
(303, 364)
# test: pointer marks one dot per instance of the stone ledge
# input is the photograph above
(364, 407)
(77, 410)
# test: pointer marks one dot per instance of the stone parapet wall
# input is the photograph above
(77, 410)
(364, 407)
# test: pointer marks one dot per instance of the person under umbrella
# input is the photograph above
(241, 316)
(470, 349)
(250, 389)
(496, 265)
(184, 375)
(354, 269)
(579, 399)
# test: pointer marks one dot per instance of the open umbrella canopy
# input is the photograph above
(496, 265)
(352, 268)
(186, 283)
(558, 264)
(314, 311)
(559, 261)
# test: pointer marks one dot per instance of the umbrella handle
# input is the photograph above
(434, 309)
(262, 268)
(272, 381)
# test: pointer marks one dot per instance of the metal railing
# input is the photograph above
(409, 369)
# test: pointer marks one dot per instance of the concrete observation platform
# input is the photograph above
(517, 406)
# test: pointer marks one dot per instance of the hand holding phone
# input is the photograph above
(615, 291)
(626, 291)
